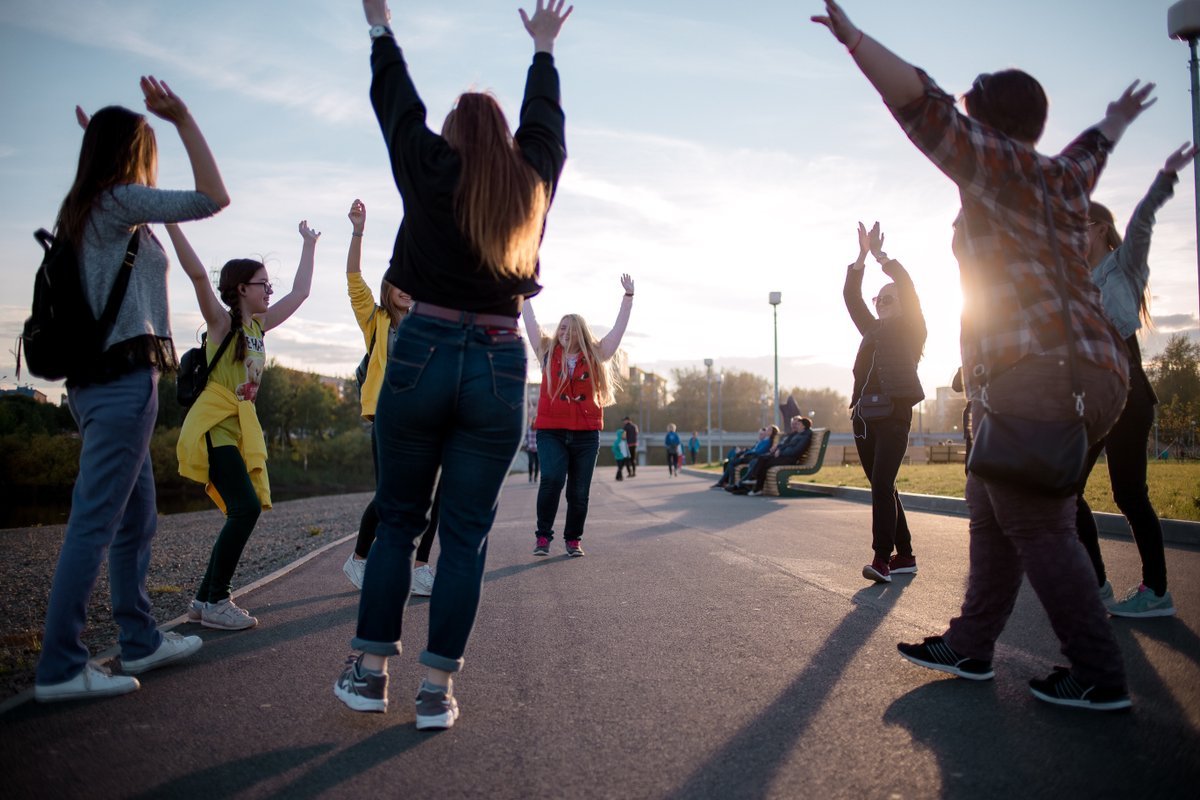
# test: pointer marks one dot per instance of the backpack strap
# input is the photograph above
(117, 296)
(221, 350)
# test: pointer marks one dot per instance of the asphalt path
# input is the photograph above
(708, 646)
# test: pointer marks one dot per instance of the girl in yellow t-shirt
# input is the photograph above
(221, 442)
(378, 323)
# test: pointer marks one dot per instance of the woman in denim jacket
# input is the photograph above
(1122, 272)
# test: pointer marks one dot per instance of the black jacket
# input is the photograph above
(890, 349)
(432, 260)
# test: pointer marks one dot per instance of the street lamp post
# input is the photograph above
(1183, 22)
(720, 418)
(774, 299)
(708, 427)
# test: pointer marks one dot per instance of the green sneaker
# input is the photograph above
(1143, 602)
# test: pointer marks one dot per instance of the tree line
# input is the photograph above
(317, 441)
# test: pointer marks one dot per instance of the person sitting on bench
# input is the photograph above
(789, 451)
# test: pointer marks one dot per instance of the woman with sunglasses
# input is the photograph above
(1122, 271)
(221, 443)
(885, 370)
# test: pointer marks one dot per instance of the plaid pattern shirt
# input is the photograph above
(1011, 303)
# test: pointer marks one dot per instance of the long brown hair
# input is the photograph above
(236, 272)
(500, 202)
(118, 147)
(605, 374)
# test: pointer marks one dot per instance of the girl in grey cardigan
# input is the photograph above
(115, 404)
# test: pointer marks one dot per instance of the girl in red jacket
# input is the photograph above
(578, 380)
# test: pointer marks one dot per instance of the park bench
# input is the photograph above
(951, 453)
(776, 482)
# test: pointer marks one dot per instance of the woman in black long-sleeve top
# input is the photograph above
(453, 400)
(885, 369)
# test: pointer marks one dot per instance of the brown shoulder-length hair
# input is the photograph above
(1011, 101)
(118, 147)
(500, 201)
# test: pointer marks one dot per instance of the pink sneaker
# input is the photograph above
(877, 571)
(543, 546)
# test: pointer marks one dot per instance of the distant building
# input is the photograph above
(26, 391)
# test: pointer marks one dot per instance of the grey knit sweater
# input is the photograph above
(145, 311)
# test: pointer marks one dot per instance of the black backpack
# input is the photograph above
(62, 337)
(194, 369)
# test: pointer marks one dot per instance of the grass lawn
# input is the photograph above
(1174, 486)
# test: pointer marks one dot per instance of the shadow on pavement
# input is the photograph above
(233, 777)
(769, 740)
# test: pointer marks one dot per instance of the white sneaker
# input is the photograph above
(195, 610)
(422, 581)
(226, 616)
(94, 681)
(173, 648)
(355, 568)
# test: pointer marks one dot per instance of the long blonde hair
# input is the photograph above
(605, 375)
(500, 202)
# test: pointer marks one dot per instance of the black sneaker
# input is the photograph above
(359, 690)
(934, 653)
(1061, 689)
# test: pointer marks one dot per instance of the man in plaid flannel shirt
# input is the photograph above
(1014, 342)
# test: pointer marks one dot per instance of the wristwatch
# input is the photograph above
(379, 30)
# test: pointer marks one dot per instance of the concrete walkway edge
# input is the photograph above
(1175, 531)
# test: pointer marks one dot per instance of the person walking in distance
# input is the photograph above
(674, 449)
(631, 439)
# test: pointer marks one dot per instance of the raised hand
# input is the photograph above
(1180, 158)
(838, 23)
(377, 12)
(864, 246)
(875, 240)
(308, 234)
(627, 284)
(358, 216)
(1132, 102)
(161, 101)
(547, 20)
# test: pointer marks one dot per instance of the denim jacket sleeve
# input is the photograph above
(1123, 274)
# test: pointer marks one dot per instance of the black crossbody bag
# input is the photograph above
(1043, 457)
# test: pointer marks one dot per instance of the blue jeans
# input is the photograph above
(113, 510)
(453, 400)
(568, 459)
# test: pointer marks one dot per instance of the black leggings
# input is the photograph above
(1125, 447)
(881, 446)
(227, 472)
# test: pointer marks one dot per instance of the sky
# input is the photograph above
(717, 153)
